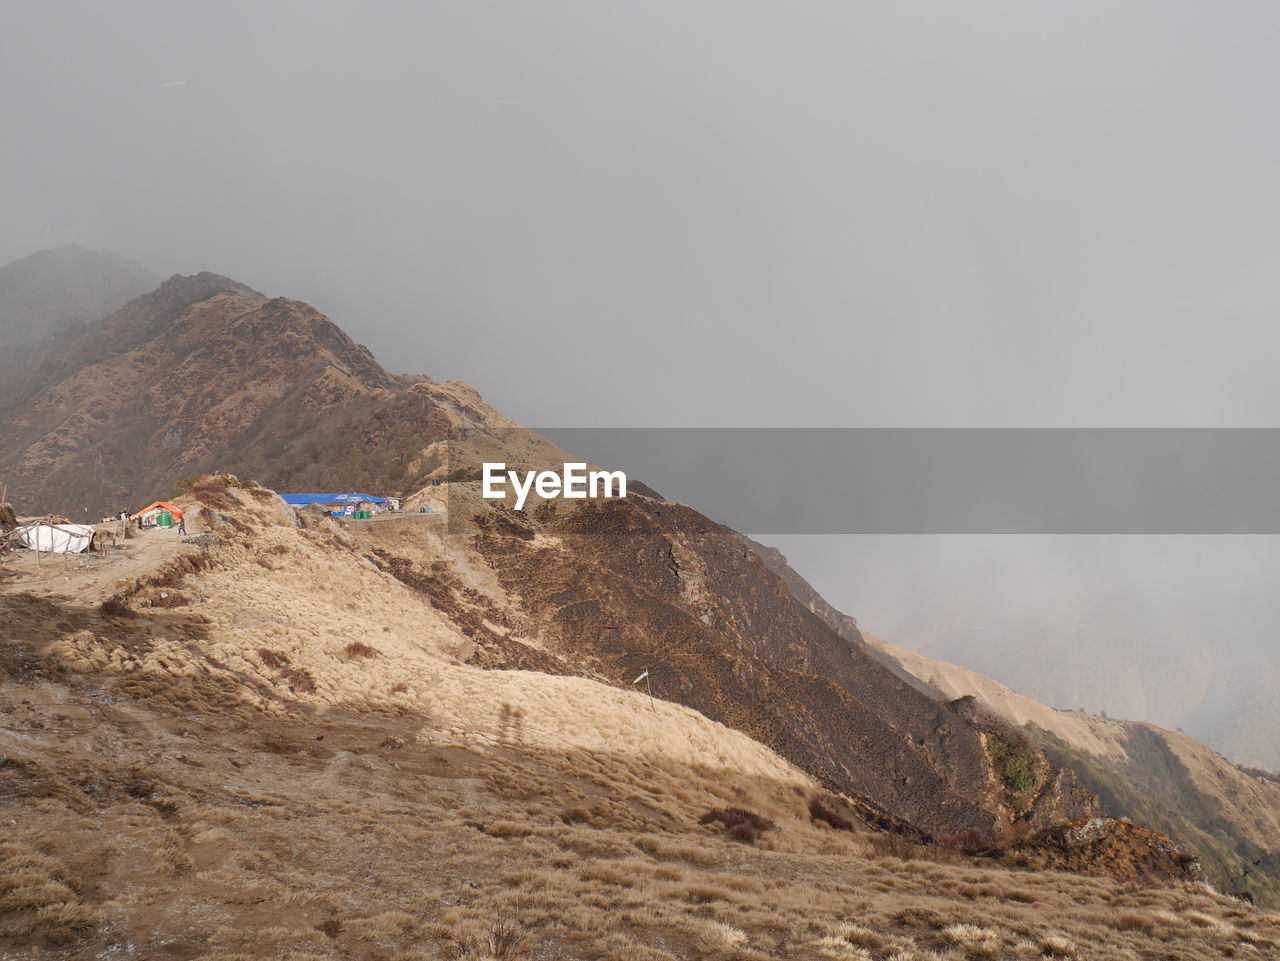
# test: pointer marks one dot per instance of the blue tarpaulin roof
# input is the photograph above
(353, 498)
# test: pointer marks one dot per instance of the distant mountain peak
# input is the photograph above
(205, 283)
(201, 372)
(54, 289)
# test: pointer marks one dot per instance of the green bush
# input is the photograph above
(1014, 761)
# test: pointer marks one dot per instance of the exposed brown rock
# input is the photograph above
(1108, 847)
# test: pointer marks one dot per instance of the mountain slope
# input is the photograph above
(1167, 670)
(265, 745)
(56, 293)
(204, 373)
(646, 585)
(177, 382)
(1162, 778)
(1166, 779)
(52, 290)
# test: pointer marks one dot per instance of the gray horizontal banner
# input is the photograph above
(932, 480)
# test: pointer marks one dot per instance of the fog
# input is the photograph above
(724, 214)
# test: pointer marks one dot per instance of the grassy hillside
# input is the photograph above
(1154, 787)
(1227, 816)
(268, 746)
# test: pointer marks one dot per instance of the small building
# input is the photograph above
(338, 504)
(49, 538)
(159, 514)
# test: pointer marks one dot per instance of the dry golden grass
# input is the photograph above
(716, 937)
(182, 799)
(355, 867)
(36, 897)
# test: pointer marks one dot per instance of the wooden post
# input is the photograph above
(644, 676)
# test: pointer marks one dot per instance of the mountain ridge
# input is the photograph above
(200, 360)
(204, 373)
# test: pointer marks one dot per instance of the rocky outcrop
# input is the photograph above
(1227, 816)
(1108, 847)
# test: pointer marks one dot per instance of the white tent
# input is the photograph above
(53, 538)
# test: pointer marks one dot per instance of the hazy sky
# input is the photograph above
(669, 213)
(681, 212)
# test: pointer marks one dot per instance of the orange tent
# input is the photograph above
(156, 508)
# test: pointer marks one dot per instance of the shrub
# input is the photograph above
(967, 842)
(715, 936)
(503, 938)
(1271, 776)
(890, 845)
(272, 659)
(818, 811)
(974, 940)
(667, 850)
(358, 649)
(297, 680)
(861, 937)
(330, 928)
(1132, 921)
(116, 606)
(1057, 946)
(1014, 761)
(739, 823)
(213, 493)
(400, 687)
(219, 519)
(166, 600)
(507, 829)
(575, 815)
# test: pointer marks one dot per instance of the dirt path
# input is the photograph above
(89, 577)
